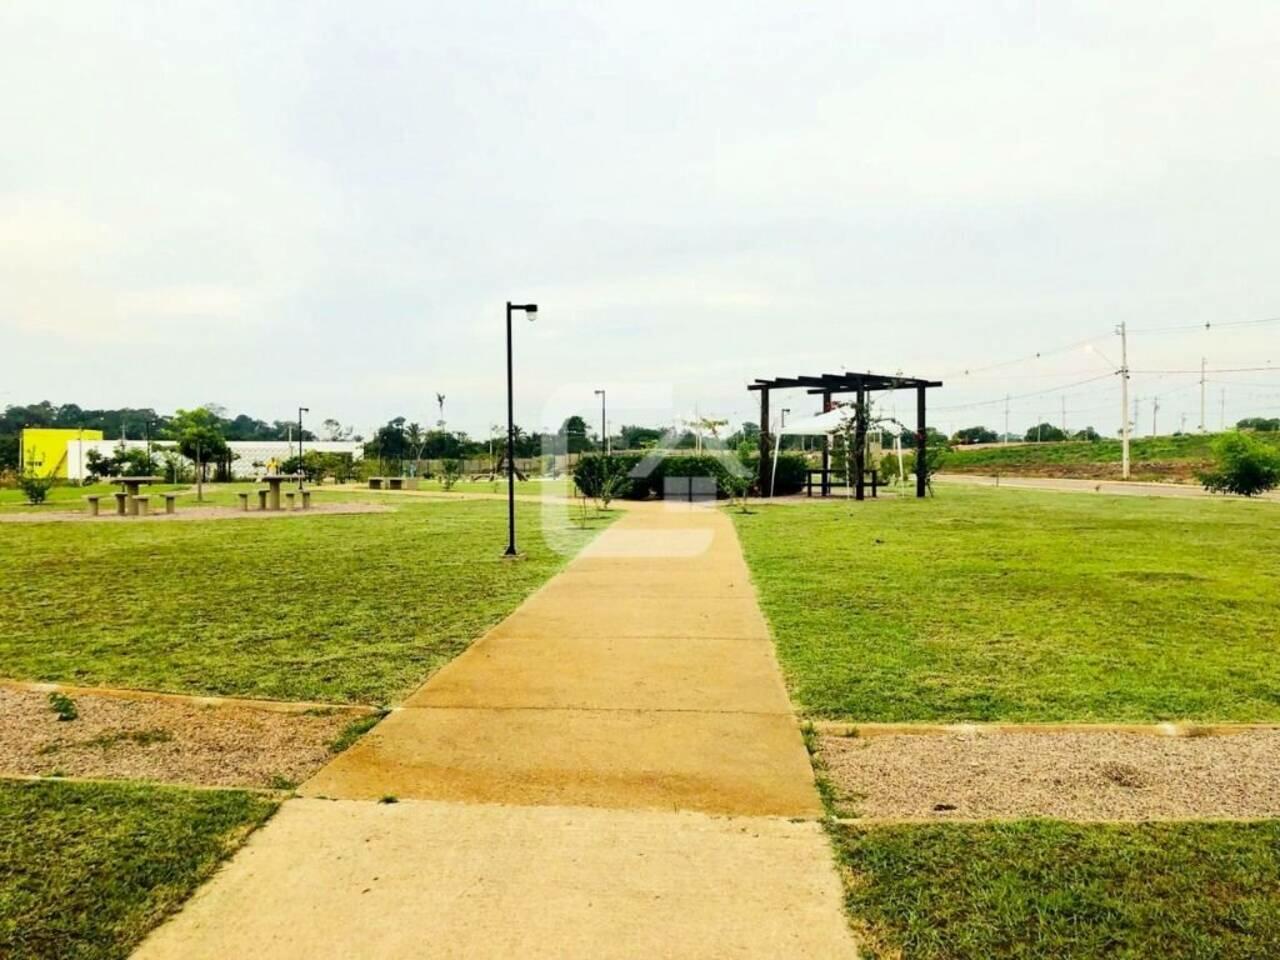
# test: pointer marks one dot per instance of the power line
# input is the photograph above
(1207, 325)
(1221, 370)
(1023, 396)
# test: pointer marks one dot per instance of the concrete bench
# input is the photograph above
(141, 505)
(395, 483)
(122, 504)
(170, 502)
(375, 483)
(244, 500)
(288, 500)
(262, 499)
(306, 499)
(91, 504)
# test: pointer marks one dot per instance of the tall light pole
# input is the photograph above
(531, 312)
(604, 428)
(301, 411)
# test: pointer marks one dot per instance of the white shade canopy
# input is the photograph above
(820, 425)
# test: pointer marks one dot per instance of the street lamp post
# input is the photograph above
(531, 311)
(604, 428)
(301, 411)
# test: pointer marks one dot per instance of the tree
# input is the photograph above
(1088, 433)
(974, 435)
(199, 437)
(34, 485)
(416, 440)
(1261, 424)
(333, 430)
(1243, 465)
(638, 438)
(574, 433)
(389, 442)
(1043, 433)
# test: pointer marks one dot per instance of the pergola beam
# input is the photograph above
(829, 384)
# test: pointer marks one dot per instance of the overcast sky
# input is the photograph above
(266, 204)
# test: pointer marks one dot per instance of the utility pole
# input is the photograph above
(1202, 427)
(1006, 418)
(1124, 402)
(1222, 410)
(1155, 411)
(1065, 435)
(1183, 427)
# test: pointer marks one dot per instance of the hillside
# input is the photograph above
(1151, 458)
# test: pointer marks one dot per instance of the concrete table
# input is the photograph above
(130, 486)
(273, 481)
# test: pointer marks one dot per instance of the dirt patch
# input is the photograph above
(1073, 776)
(194, 513)
(164, 739)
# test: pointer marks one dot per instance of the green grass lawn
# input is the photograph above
(1046, 889)
(983, 604)
(357, 608)
(71, 497)
(87, 869)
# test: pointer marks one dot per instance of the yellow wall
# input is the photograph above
(46, 449)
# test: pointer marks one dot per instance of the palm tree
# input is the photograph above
(416, 439)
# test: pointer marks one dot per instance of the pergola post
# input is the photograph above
(826, 449)
(859, 465)
(764, 443)
(921, 473)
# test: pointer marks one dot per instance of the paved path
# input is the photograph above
(1132, 488)
(612, 772)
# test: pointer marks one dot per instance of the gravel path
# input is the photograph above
(1072, 776)
(164, 739)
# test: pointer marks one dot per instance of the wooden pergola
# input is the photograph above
(828, 385)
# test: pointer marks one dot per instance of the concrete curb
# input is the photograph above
(244, 703)
(837, 728)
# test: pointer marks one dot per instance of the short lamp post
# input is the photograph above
(301, 411)
(531, 312)
(604, 428)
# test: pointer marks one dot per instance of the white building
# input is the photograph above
(252, 457)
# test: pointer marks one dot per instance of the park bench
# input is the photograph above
(874, 473)
(169, 502)
(122, 503)
(262, 499)
(375, 483)
(395, 483)
(91, 504)
(306, 499)
(288, 499)
(141, 505)
(244, 501)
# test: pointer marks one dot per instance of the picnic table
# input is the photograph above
(273, 481)
(130, 487)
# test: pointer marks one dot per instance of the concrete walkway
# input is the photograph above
(612, 772)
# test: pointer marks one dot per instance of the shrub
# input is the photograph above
(592, 474)
(63, 706)
(34, 486)
(792, 472)
(450, 471)
(719, 467)
(1243, 465)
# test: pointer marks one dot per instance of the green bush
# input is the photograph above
(792, 472)
(590, 471)
(716, 466)
(1243, 465)
(34, 486)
